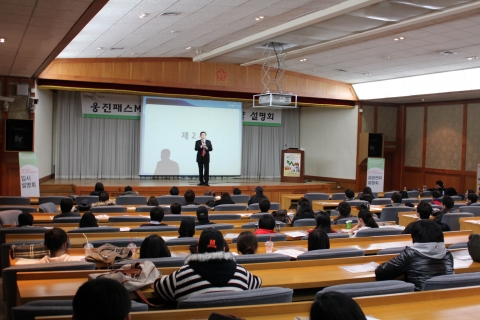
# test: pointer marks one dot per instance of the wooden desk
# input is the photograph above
(406, 219)
(286, 200)
(464, 225)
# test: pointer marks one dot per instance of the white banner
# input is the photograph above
(29, 184)
(113, 106)
(262, 117)
(375, 173)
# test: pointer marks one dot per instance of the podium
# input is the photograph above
(292, 166)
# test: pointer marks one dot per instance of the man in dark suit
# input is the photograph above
(203, 148)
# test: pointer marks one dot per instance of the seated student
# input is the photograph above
(318, 239)
(152, 201)
(88, 220)
(324, 223)
(367, 195)
(156, 217)
(210, 270)
(436, 197)
(450, 192)
(439, 186)
(189, 196)
(424, 210)
(176, 208)
(154, 247)
(281, 215)
(344, 211)
(365, 221)
(425, 259)
(128, 191)
(237, 191)
(186, 229)
(447, 207)
(66, 205)
(264, 206)
(396, 200)
(266, 224)
(103, 200)
(304, 210)
(349, 195)
(334, 305)
(224, 199)
(202, 216)
(56, 240)
(174, 191)
(259, 196)
(101, 299)
(471, 198)
(247, 243)
(98, 189)
(25, 219)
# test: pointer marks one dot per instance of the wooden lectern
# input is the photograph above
(292, 166)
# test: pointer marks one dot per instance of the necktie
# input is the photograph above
(203, 150)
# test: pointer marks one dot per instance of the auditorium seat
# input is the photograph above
(313, 196)
(266, 237)
(165, 262)
(338, 196)
(5, 250)
(67, 220)
(381, 201)
(375, 195)
(154, 229)
(240, 198)
(55, 199)
(471, 209)
(411, 200)
(426, 193)
(258, 215)
(413, 193)
(456, 198)
(356, 203)
(231, 207)
(90, 199)
(391, 213)
(106, 209)
(213, 217)
(177, 217)
(9, 216)
(28, 209)
(331, 253)
(375, 232)
(388, 194)
(305, 222)
(130, 200)
(252, 225)
(452, 281)
(458, 245)
(170, 199)
(190, 208)
(48, 207)
(365, 289)
(333, 235)
(392, 250)
(166, 209)
(94, 230)
(452, 219)
(273, 206)
(14, 200)
(202, 200)
(238, 298)
(261, 258)
(186, 241)
(117, 242)
(218, 226)
(344, 220)
(129, 219)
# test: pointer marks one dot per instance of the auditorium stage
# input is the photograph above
(273, 188)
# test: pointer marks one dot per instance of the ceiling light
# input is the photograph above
(259, 18)
(387, 57)
(448, 53)
(315, 70)
(134, 53)
(367, 74)
(303, 60)
(99, 48)
(423, 99)
(188, 48)
(472, 58)
(143, 15)
(399, 39)
(2, 40)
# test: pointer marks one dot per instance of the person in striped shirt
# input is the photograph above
(209, 270)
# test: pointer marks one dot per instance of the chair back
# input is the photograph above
(381, 201)
(388, 194)
(427, 200)
(252, 225)
(413, 193)
(220, 216)
(258, 215)
(452, 219)
(331, 253)
(338, 196)
(273, 206)
(238, 298)
(261, 258)
(218, 226)
(55, 199)
(344, 220)
(14, 200)
(67, 220)
(9, 216)
(391, 213)
(372, 232)
(128, 219)
(177, 217)
(375, 195)
(202, 200)
(166, 209)
(130, 200)
(313, 196)
(154, 229)
(90, 199)
(411, 200)
(305, 222)
(5, 251)
(231, 207)
(355, 203)
(28, 209)
(393, 250)
(48, 207)
(95, 230)
(103, 209)
(165, 262)
(122, 243)
(187, 241)
(189, 208)
(452, 281)
(471, 209)
(456, 198)
(458, 245)
(168, 200)
(240, 198)
(365, 289)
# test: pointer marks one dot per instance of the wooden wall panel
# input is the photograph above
(413, 178)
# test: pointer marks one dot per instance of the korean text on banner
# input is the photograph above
(291, 164)
(111, 106)
(262, 117)
(29, 184)
(375, 173)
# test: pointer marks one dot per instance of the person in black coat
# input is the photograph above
(224, 199)
(259, 196)
(203, 148)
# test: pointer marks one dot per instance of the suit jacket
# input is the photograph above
(198, 145)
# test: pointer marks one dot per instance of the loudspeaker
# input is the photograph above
(375, 145)
(18, 135)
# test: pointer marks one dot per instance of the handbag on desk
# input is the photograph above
(108, 254)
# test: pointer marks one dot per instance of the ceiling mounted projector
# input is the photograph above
(275, 100)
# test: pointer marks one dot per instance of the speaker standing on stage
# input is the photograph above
(203, 148)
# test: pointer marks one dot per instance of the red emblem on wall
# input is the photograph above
(221, 75)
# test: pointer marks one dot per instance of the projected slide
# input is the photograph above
(170, 127)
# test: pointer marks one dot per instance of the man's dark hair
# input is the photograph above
(128, 188)
(424, 210)
(154, 246)
(66, 205)
(448, 202)
(203, 132)
(349, 193)
(450, 192)
(267, 221)
(317, 240)
(264, 205)
(187, 228)
(88, 220)
(101, 298)
(174, 191)
(396, 197)
(152, 201)
(440, 183)
(344, 209)
(237, 191)
(336, 305)
(99, 187)
(426, 231)
(176, 208)
(472, 197)
(189, 195)
(103, 196)
(25, 219)
(436, 194)
(157, 214)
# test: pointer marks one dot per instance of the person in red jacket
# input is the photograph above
(266, 224)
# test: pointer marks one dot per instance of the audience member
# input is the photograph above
(344, 211)
(25, 219)
(202, 216)
(88, 220)
(56, 240)
(281, 215)
(447, 207)
(156, 217)
(424, 210)
(464, 196)
(98, 189)
(187, 228)
(318, 239)
(128, 191)
(101, 299)
(349, 195)
(436, 197)
(396, 200)
(334, 305)
(154, 247)
(324, 223)
(176, 208)
(264, 206)
(367, 195)
(66, 205)
(210, 270)
(103, 200)
(152, 201)
(266, 224)
(237, 191)
(450, 192)
(439, 186)
(426, 258)
(304, 210)
(365, 221)
(189, 196)
(224, 199)
(208, 193)
(259, 196)
(174, 191)
(247, 243)
(471, 198)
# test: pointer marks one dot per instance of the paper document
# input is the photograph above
(230, 236)
(296, 234)
(472, 221)
(360, 268)
(168, 238)
(102, 216)
(462, 255)
(290, 252)
(125, 229)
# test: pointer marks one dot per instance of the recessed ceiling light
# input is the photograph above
(134, 53)
(472, 58)
(448, 53)
(315, 70)
(399, 38)
(188, 48)
(99, 48)
(367, 74)
(303, 60)
(173, 31)
(387, 57)
(143, 15)
(259, 18)
(2, 40)
(423, 99)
